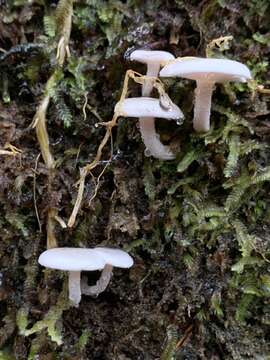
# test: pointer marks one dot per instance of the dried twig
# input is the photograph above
(64, 14)
(34, 192)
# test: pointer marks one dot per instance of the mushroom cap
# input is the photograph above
(72, 259)
(216, 70)
(151, 56)
(147, 107)
(115, 257)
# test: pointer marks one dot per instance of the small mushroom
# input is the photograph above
(73, 260)
(206, 72)
(112, 258)
(149, 108)
(76, 260)
(154, 60)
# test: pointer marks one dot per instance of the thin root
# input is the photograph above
(84, 106)
(12, 150)
(221, 42)
(60, 221)
(86, 170)
(261, 89)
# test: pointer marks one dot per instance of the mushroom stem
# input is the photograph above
(147, 125)
(101, 284)
(152, 71)
(74, 287)
(151, 140)
(203, 95)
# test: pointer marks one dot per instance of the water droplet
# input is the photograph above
(96, 125)
(179, 121)
(147, 152)
(100, 67)
(165, 102)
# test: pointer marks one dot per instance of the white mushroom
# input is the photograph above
(76, 260)
(206, 72)
(112, 258)
(73, 260)
(154, 60)
(149, 108)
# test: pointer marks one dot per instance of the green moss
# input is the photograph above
(83, 339)
(51, 321)
(171, 341)
(234, 150)
(216, 304)
(6, 355)
(149, 181)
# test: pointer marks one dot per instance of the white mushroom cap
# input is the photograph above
(147, 107)
(72, 259)
(115, 257)
(151, 56)
(216, 70)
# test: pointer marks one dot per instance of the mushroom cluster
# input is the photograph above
(205, 71)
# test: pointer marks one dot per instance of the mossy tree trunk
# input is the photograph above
(197, 226)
